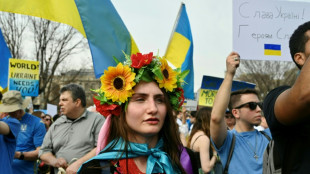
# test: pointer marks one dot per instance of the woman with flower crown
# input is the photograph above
(140, 134)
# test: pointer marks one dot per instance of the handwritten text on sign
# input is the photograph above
(210, 86)
(206, 97)
(262, 29)
(24, 76)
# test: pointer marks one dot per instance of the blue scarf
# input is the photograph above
(157, 162)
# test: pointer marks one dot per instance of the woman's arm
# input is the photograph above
(203, 146)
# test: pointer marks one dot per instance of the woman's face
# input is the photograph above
(146, 111)
(48, 120)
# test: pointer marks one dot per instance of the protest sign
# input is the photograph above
(51, 109)
(210, 86)
(262, 29)
(24, 76)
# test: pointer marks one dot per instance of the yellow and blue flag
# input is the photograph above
(5, 55)
(106, 33)
(272, 49)
(97, 20)
(180, 50)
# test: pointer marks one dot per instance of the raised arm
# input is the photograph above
(218, 127)
(292, 106)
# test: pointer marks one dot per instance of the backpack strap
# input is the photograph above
(231, 150)
(265, 134)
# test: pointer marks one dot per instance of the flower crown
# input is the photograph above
(117, 82)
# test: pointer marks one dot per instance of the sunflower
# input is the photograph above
(117, 83)
(169, 82)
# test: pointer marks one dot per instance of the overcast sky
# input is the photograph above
(151, 22)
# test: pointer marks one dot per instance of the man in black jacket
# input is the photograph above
(287, 111)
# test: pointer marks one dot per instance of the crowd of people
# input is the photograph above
(140, 126)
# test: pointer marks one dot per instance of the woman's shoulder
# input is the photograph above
(198, 139)
(199, 134)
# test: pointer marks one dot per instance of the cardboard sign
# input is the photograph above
(24, 76)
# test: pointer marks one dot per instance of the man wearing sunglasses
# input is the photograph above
(249, 144)
(287, 111)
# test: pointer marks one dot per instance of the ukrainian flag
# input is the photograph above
(272, 50)
(107, 35)
(97, 20)
(180, 50)
(5, 55)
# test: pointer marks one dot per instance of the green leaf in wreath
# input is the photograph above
(146, 77)
(157, 71)
(184, 74)
(116, 60)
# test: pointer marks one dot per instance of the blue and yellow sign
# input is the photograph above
(210, 86)
(24, 76)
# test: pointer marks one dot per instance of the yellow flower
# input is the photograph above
(117, 83)
(169, 81)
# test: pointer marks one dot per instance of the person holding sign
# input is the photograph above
(287, 113)
(249, 144)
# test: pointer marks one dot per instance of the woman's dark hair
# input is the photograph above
(52, 120)
(193, 114)
(202, 123)
(56, 116)
(169, 133)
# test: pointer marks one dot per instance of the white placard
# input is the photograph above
(260, 22)
(51, 109)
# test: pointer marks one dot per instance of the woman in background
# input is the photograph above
(200, 143)
(47, 120)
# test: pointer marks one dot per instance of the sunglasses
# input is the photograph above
(229, 116)
(252, 105)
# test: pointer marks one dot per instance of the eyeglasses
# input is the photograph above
(47, 119)
(252, 105)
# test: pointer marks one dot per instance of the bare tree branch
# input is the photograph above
(54, 42)
(267, 74)
(45, 41)
(13, 28)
